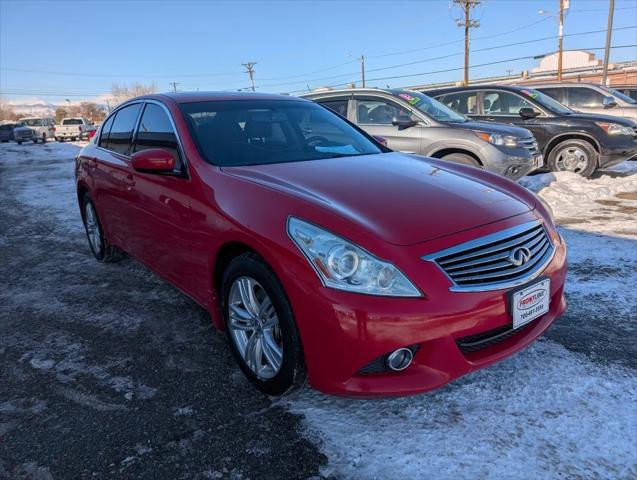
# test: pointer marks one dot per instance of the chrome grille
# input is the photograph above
(500, 260)
(531, 145)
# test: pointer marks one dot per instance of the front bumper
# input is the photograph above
(513, 163)
(344, 332)
(617, 149)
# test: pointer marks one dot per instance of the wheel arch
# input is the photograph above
(443, 151)
(571, 136)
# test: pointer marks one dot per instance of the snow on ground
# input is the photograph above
(548, 412)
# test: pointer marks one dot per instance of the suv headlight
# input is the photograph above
(500, 140)
(615, 128)
(342, 265)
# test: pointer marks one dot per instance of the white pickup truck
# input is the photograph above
(73, 128)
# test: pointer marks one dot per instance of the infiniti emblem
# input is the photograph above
(519, 256)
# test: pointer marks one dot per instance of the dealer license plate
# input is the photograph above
(530, 301)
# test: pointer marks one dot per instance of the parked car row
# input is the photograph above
(508, 130)
(41, 129)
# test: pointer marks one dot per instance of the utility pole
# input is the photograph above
(467, 23)
(362, 59)
(174, 84)
(609, 32)
(250, 71)
(560, 42)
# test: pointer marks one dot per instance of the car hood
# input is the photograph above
(594, 117)
(403, 199)
(491, 127)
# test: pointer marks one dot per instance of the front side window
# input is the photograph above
(156, 131)
(429, 106)
(256, 132)
(584, 97)
(122, 129)
(462, 102)
(338, 106)
(380, 112)
(503, 103)
(33, 122)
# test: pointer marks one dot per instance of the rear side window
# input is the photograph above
(462, 102)
(122, 130)
(584, 97)
(156, 131)
(338, 106)
(106, 131)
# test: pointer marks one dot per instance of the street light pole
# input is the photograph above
(609, 32)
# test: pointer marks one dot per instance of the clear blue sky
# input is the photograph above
(202, 44)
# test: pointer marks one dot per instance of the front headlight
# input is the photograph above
(615, 128)
(342, 265)
(500, 140)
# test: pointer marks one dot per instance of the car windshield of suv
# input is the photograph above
(619, 94)
(32, 122)
(430, 107)
(256, 132)
(546, 101)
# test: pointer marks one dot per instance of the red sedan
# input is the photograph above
(319, 251)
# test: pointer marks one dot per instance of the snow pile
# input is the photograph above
(606, 204)
(545, 413)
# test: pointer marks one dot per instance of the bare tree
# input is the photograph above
(92, 111)
(121, 93)
(60, 113)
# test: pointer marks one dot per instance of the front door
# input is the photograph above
(376, 114)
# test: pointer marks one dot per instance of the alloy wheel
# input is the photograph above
(92, 227)
(572, 159)
(254, 327)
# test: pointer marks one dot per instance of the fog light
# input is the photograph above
(400, 359)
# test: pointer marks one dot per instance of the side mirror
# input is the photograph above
(381, 140)
(609, 102)
(403, 124)
(153, 160)
(528, 112)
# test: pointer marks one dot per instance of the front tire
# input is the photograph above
(260, 326)
(577, 156)
(463, 159)
(102, 250)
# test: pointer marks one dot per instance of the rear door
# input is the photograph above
(112, 174)
(376, 114)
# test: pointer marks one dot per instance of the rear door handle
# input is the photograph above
(128, 180)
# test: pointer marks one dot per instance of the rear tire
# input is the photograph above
(250, 270)
(574, 155)
(463, 159)
(101, 249)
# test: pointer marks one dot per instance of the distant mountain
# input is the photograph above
(37, 107)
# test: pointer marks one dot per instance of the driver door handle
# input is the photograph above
(128, 180)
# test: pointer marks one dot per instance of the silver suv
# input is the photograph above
(412, 122)
(591, 98)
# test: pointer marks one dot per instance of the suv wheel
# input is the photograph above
(260, 326)
(577, 156)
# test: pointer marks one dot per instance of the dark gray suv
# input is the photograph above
(415, 123)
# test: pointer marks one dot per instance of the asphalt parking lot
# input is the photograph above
(108, 372)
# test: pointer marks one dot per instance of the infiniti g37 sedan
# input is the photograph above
(319, 251)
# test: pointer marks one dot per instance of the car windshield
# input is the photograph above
(618, 94)
(429, 106)
(546, 101)
(258, 132)
(32, 122)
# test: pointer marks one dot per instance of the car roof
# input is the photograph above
(512, 88)
(190, 97)
(350, 91)
(565, 84)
